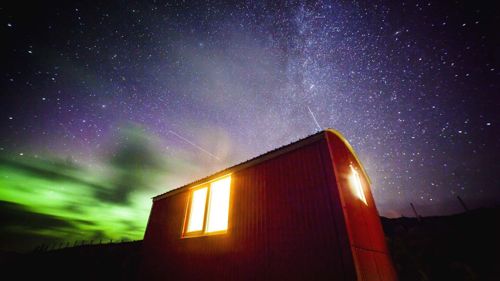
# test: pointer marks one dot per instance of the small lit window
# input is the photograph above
(197, 212)
(208, 208)
(356, 186)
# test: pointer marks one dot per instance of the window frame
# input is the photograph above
(203, 231)
(188, 212)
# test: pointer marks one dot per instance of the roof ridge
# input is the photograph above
(268, 153)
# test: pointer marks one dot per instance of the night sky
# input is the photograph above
(104, 105)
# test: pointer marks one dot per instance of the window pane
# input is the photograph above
(197, 212)
(355, 183)
(218, 206)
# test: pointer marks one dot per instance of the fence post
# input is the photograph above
(419, 218)
(463, 204)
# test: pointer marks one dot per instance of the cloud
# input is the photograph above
(20, 216)
(134, 165)
(24, 229)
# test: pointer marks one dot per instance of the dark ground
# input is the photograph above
(114, 261)
(458, 247)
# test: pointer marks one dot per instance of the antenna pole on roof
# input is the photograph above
(419, 218)
(314, 118)
(462, 203)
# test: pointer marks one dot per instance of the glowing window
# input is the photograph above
(218, 206)
(197, 212)
(355, 183)
(209, 208)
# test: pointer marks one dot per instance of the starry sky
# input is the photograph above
(90, 89)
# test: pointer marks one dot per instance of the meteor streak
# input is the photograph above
(193, 144)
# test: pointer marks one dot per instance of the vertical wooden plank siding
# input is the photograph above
(291, 217)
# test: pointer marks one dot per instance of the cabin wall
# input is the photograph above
(284, 224)
(366, 236)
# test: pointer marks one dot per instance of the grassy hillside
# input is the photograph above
(114, 261)
(457, 247)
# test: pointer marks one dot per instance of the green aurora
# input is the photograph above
(56, 202)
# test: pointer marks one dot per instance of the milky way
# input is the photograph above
(412, 85)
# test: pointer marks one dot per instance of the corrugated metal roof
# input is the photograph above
(250, 162)
(266, 156)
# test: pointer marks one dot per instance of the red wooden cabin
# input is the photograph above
(301, 212)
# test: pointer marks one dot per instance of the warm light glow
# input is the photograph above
(355, 183)
(197, 211)
(215, 219)
(218, 206)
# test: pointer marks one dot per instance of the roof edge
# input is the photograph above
(351, 149)
(267, 156)
(248, 163)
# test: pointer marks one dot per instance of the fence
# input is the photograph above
(45, 247)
